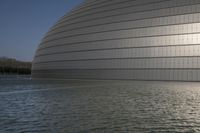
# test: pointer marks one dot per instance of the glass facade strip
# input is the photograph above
(145, 63)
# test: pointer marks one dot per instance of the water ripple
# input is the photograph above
(98, 107)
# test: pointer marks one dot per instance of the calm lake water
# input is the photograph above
(28, 106)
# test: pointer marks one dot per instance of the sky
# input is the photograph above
(23, 23)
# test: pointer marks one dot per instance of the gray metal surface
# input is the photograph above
(123, 39)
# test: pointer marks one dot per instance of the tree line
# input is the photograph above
(12, 66)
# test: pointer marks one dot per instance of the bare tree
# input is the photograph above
(12, 66)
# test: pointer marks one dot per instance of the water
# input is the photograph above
(28, 106)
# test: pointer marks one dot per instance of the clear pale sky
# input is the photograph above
(23, 23)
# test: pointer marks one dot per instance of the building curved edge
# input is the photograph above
(123, 40)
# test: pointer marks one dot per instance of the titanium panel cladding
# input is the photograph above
(123, 39)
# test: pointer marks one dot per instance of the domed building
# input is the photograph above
(123, 39)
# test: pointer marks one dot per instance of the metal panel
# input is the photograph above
(123, 39)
